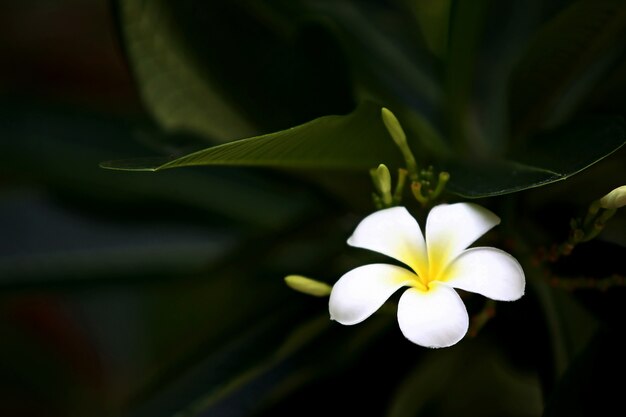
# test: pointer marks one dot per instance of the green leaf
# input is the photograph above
(385, 58)
(588, 387)
(500, 45)
(433, 18)
(358, 141)
(267, 361)
(173, 84)
(549, 157)
(565, 59)
(389, 63)
(466, 24)
(50, 246)
(227, 70)
(609, 93)
(569, 325)
(479, 379)
(80, 140)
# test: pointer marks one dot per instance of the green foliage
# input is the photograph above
(565, 60)
(331, 142)
(498, 163)
(170, 78)
(547, 158)
(501, 95)
(169, 284)
(449, 382)
(359, 141)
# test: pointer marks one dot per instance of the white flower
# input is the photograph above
(430, 312)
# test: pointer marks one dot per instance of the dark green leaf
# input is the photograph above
(386, 59)
(233, 362)
(390, 63)
(553, 156)
(356, 141)
(475, 179)
(173, 84)
(477, 377)
(265, 363)
(502, 37)
(609, 94)
(359, 141)
(433, 17)
(50, 245)
(80, 140)
(590, 387)
(565, 59)
(227, 70)
(571, 326)
(466, 24)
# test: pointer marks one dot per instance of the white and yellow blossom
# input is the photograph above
(430, 312)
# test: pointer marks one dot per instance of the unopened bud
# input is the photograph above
(308, 286)
(393, 127)
(399, 137)
(382, 181)
(615, 199)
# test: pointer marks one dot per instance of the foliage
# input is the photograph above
(162, 293)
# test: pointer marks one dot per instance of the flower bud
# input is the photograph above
(308, 286)
(399, 137)
(615, 199)
(393, 127)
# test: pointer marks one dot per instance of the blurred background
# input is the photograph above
(162, 294)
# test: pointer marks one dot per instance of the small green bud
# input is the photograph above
(615, 199)
(384, 180)
(308, 286)
(393, 127)
(399, 137)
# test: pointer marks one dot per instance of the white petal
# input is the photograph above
(435, 318)
(360, 292)
(487, 271)
(395, 233)
(451, 228)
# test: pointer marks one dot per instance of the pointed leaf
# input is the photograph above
(578, 44)
(482, 381)
(384, 56)
(550, 157)
(466, 23)
(591, 376)
(433, 18)
(80, 140)
(265, 363)
(172, 83)
(389, 61)
(357, 141)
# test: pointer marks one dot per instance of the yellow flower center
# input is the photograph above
(431, 269)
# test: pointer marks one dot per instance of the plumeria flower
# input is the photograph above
(430, 312)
